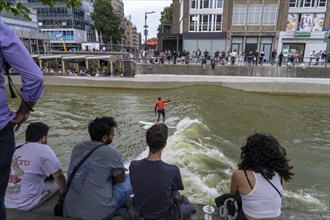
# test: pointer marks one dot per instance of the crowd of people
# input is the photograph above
(253, 58)
(98, 186)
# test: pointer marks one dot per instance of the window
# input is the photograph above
(192, 22)
(322, 3)
(217, 23)
(239, 15)
(308, 3)
(193, 4)
(219, 3)
(206, 22)
(293, 3)
(269, 14)
(254, 15)
(206, 4)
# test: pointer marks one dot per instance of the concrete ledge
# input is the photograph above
(272, 85)
(45, 211)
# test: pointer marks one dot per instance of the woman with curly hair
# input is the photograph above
(260, 176)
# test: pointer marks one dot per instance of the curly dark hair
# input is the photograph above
(100, 127)
(263, 154)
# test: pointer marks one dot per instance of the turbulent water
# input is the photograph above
(208, 125)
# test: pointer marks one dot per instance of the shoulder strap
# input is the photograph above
(75, 169)
(273, 186)
(247, 178)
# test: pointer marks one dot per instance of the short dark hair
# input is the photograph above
(263, 154)
(100, 127)
(159, 98)
(35, 131)
(156, 137)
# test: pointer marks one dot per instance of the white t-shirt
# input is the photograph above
(31, 164)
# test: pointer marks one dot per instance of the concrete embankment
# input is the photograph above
(266, 70)
(273, 85)
(46, 212)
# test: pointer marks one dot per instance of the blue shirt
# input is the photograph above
(18, 57)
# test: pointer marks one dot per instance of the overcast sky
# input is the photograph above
(137, 8)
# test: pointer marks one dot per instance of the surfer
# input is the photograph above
(159, 107)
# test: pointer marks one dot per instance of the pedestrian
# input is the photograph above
(280, 58)
(213, 63)
(273, 57)
(14, 53)
(255, 57)
(250, 58)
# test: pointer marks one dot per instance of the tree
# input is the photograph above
(20, 9)
(106, 22)
(165, 16)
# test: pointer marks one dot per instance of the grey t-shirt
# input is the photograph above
(90, 193)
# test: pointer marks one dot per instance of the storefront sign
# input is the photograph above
(302, 34)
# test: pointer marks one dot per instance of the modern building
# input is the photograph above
(307, 23)
(28, 32)
(196, 24)
(135, 38)
(128, 29)
(248, 25)
(65, 26)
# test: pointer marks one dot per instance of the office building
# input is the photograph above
(28, 32)
(69, 26)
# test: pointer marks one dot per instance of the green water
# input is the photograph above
(208, 125)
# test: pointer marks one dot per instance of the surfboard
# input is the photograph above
(146, 123)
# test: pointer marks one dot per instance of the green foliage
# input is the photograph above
(120, 70)
(106, 22)
(165, 16)
(20, 9)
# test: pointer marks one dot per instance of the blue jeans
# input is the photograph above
(122, 192)
(7, 148)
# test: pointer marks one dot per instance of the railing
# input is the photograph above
(297, 62)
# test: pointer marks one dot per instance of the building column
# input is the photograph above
(63, 66)
(40, 63)
(86, 64)
(111, 66)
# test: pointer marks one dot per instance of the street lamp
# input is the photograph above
(146, 26)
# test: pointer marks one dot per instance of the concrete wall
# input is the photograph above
(272, 85)
(264, 71)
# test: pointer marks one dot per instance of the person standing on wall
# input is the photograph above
(12, 50)
(159, 107)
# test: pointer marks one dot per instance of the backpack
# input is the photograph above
(230, 207)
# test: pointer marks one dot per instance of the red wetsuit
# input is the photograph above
(160, 108)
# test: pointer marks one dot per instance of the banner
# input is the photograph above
(318, 22)
(292, 22)
(306, 22)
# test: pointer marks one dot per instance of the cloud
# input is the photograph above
(137, 8)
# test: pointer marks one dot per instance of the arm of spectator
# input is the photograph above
(60, 179)
(22, 114)
(234, 183)
(119, 178)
